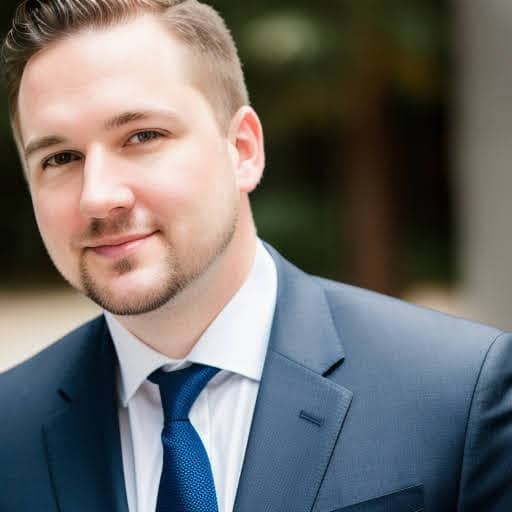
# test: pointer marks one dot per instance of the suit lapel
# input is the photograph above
(82, 439)
(299, 412)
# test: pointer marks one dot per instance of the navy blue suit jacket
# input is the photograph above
(366, 404)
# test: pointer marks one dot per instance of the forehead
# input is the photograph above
(101, 69)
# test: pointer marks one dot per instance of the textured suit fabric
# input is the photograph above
(366, 403)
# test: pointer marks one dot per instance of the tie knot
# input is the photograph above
(180, 389)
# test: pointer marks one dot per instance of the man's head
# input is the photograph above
(138, 150)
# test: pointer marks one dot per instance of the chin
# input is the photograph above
(132, 291)
(126, 303)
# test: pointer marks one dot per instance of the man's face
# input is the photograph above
(132, 181)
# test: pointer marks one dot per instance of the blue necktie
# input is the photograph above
(186, 484)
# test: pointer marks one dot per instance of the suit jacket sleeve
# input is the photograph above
(486, 479)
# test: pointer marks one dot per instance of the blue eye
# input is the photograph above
(143, 137)
(60, 159)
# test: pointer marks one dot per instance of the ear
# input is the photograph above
(247, 148)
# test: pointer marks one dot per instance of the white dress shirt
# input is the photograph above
(236, 342)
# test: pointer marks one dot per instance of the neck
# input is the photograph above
(175, 328)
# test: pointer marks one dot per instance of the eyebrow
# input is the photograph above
(43, 143)
(136, 115)
(116, 121)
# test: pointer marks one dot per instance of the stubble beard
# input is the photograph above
(175, 277)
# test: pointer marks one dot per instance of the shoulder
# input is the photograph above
(371, 323)
(375, 311)
(385, 330)
(35, 380)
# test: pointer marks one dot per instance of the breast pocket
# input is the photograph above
(405, 500)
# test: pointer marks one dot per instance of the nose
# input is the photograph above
(104, 189)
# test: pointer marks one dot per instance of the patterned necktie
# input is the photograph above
(186, 484)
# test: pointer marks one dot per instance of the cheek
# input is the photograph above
(192, 206)
(56, 217)
(185, 180)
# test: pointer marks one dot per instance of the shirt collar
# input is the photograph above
(236, 340)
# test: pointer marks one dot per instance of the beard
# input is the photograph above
(172, 281)
(175, 275)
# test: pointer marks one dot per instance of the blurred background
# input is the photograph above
(387, 127)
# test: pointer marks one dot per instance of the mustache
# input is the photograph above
(111, 227)
(108, 227)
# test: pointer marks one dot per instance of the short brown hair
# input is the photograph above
(216, 66)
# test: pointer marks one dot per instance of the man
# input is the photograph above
(140, 149)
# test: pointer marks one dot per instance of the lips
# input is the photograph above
(120, 247)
